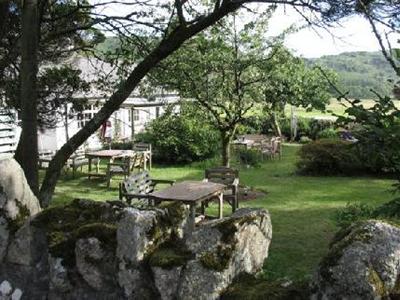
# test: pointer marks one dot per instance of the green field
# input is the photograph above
(334, 106)
(302, 208)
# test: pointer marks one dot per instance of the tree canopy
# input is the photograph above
(172, 24)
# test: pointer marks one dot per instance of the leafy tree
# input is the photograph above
(221, 71)
(172, 23)
(290, 81)
(34, 34)
(379, 126)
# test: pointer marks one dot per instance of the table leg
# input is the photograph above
(192, 218)
(221, 205)
(203, 208)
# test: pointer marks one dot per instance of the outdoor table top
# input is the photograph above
(189, 191)
(243, 142)
(110, 153)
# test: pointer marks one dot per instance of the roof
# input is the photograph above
(93, 69)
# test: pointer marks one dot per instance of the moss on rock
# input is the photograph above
(250, 288)
(64, 225)
(22, 216)
(167, 225)
(217, 259)
(376, 282)
(343, 239)
(169, 255)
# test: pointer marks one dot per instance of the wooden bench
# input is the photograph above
(139, 186)
(228, 177)
(77, 160)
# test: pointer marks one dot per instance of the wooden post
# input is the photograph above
(221, 205)
(132, 124)
(192, 219)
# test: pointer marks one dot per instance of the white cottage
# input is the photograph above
(132, 117)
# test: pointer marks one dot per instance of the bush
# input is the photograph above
(354, 212)
(305, 140)
(120, 145)
(329, 157)
(181, 138)
(327, 133)
(319, 125)
(390, 209)
(303, 127)
(351, 213)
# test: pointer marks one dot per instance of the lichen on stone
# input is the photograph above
(19, 220)
(64, 225)
(376, 282)
(169, 255)
(167, 225)
(217, 259)
(342, 239)
(249, 287)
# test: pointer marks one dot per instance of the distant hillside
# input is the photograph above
(359, 72)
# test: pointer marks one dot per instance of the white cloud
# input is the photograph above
(353, 34)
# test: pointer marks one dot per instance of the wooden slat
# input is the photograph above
(189, 191)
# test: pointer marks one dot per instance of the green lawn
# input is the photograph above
(302, 208)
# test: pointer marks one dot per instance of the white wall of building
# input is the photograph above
(53, 139)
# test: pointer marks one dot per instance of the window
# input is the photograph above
(157, 111)
(86, 115)
(136, 115)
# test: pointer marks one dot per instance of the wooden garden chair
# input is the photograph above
(229, 177)
(140, 186)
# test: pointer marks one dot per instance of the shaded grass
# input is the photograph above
(301, 207)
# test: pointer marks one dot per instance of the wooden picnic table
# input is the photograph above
(192, 193)
(109, 155)
(243, 142)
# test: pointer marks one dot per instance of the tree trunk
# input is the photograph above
(169, 45)
(27, 151)
(226, 138)
(275, 124)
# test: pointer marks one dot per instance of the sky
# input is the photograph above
(353, 34)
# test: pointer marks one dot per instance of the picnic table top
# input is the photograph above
(189, 191)
(110, 153)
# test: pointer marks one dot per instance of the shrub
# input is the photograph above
(120, 145)
(327, 133)
(319, 125)
(329, 157)
(353, 212)
(181, 138)
(303, 127)
(390, 209)
(305, 140)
